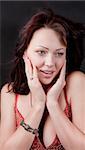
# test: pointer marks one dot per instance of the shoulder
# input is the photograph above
(6, 95)
(76, 77)
(6, 89)
(76, 84)
(8, 120)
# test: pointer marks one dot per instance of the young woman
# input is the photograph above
(43, 106)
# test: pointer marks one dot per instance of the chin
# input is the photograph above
(49, 81)
(46, 83)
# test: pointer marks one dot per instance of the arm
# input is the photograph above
(0, 109)
(10, 137)
(71, 134)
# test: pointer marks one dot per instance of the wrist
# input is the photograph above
(51, 103)
(29, 128)
(38, 107)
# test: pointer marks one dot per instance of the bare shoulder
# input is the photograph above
(76, 84)
(78, 75)
(7, 108)
(7, 95)
(8, 120)
(76, 78)
(5, 88)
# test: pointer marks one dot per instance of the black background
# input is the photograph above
(14, 14)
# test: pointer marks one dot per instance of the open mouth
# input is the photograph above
(47, 73)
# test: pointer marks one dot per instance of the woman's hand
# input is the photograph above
(56, 89)
(36, 89)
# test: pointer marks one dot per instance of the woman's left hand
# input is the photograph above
(55, 90)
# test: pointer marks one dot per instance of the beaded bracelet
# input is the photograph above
(28, 128)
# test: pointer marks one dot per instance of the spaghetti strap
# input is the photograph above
(68, 110)
(19, 116)
(66, 98)
(16, 99)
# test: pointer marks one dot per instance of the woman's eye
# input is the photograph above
(59, 54)
(41, 52)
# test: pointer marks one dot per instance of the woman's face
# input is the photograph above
(47, 53)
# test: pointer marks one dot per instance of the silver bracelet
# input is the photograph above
(29, 129)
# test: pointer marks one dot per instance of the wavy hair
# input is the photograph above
(71, 34)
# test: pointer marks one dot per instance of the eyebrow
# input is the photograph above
(48, 48)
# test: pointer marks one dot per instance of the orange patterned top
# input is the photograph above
(37, 144)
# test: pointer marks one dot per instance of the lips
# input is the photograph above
(47, 73)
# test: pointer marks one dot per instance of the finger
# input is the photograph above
(28, 67)
(63, 72)
(35, 74)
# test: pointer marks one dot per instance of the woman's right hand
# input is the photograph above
(36, 89)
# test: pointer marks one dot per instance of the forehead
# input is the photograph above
(45, 37)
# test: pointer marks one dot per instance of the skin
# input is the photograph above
(71, 134)
(49, 55)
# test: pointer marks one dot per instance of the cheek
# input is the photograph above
(36, 61)
(59, 63)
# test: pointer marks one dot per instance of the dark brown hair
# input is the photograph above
(71, 34)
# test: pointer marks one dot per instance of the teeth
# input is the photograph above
(47, 72)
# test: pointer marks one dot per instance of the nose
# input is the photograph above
(49, 61)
